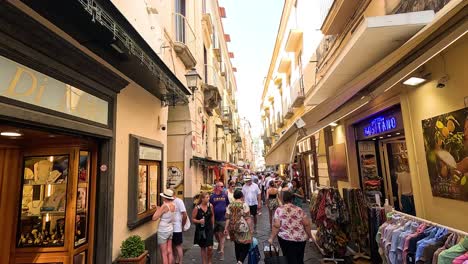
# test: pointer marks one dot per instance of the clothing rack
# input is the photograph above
(453, 230)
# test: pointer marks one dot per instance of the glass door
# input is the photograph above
(397, 175)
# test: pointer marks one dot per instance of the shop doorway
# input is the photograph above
(48, 187)
(396, 174)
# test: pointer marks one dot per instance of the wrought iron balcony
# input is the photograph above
(297, 93)
(185, 41)
(226, 115)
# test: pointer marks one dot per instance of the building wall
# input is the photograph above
(427, 101)
(137, 113)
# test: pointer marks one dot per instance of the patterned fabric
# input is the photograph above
(273, 203)
(331, 217)
(358, 215)
(290, 217)
(237, 212)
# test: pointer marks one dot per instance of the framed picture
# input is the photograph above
(445, 143)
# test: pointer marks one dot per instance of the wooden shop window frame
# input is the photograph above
(136, 157)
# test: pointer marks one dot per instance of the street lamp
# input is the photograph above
(192, 77)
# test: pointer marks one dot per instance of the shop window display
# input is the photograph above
(43, 203)
(82, 199)
(147, 186)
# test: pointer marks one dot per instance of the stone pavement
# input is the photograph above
(192, 253)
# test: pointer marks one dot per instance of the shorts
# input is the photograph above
(219, 226)
(253, 210)
(163, 237)
(177, 238)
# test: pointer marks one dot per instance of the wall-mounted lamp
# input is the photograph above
(333, 124)
(192, 77)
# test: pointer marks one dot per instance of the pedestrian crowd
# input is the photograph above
(231, 213)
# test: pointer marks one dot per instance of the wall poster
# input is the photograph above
(446, 146)
(338, 170)
(175, 178)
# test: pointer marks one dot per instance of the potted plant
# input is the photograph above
(133, 251)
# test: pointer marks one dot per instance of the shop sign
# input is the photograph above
(148, 153)
(380, 125)
(26, 85)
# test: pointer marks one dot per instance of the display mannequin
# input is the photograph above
(405, 191)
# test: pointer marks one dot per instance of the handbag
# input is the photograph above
(187, 225)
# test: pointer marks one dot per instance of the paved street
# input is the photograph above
(192, 253)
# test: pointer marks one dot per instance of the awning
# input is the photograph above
(373, 39)
(229, 166)
(100, 26)
(282, 152)
(389, 70)
(204, 161)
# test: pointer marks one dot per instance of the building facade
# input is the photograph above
(382, 131)
(98, 117)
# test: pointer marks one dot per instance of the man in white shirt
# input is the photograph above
(252, 197)
(180, 218)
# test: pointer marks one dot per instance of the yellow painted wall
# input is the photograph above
(137, 113)
(425, 102)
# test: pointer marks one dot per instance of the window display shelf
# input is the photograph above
(40, 184)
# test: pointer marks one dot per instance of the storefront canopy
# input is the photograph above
(284, 150)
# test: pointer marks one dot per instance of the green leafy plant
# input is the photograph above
(132, 247)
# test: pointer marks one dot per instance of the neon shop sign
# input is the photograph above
(380, 125)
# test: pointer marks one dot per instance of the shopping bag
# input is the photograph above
(187, 224)
(254, 255)
(270, 250)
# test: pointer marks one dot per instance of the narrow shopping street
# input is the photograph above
(116, 116)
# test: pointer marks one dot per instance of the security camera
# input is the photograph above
(442, 81)
(163, 127)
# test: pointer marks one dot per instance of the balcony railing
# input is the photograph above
(297, 93)
(211, 76)
(184, 33)
(324, 6)
(226, 115)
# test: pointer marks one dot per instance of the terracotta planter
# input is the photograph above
(140, 260)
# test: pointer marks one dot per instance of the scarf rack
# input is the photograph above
(453, 230)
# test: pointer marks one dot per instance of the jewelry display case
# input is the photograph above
(55, 223)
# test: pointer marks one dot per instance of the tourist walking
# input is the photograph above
(293, 228)
(272, 200)
(220, 202)
(282, 189)
(298, 193)
(252, 198)
(239, 226)
(203, 218)
(230, 191)
(179, 222)
(166, 226)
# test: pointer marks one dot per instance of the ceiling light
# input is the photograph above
(397, 133)
(414, 81)
(374, 139)
(389, 135)
(333, 124)
(11, 134)
(380, 137)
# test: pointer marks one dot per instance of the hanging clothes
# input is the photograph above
(331, 217)
(358, 230)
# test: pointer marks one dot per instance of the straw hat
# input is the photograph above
(168, 194)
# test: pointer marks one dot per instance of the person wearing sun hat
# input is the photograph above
(166, 225)
(252, 197)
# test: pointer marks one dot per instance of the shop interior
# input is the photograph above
(49, 179)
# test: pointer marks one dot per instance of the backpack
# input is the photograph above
(239, 229)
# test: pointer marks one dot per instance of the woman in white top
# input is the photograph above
(230, 191)
(166, 226)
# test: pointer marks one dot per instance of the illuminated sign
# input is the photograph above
(26, 85)
(380, 125)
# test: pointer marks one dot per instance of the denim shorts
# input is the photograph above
(163, 237)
